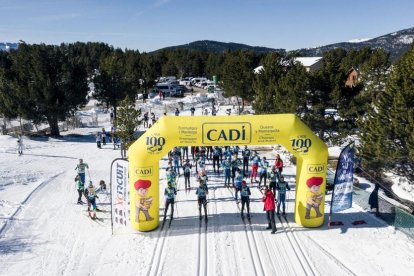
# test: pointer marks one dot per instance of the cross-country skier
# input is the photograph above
(177, 159)
(263, 170)
(187, 172)
(81, 167)
(98, 139)
(245, 198)
(202, 192)
(172, 177)
(170, 192)
(273, 177)
(80, 187)
(237, 183)
(103, 135)
(246, 156)
(90, 194)
(227, 171)
(216, 158)
(282, 185)
(203, 176)
(255, 166)
(20, 145)
(279, 164)
(235, 165)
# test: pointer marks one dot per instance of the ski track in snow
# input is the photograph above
(46, 233)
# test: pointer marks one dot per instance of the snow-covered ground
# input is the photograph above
(44, 232)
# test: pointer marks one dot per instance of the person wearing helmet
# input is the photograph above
(90, 194)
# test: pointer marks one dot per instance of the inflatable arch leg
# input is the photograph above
(171, 131)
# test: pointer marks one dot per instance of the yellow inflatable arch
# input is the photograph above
(170, 131)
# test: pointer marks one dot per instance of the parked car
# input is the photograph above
(177, 92)
(185, 81)
(166, 88)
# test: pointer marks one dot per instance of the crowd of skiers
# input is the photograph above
(89, 192)
(238, 166)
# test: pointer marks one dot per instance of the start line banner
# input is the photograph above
(119, 194)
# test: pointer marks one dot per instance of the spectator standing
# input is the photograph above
(269, 206)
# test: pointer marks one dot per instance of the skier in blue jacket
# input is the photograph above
(170, 192)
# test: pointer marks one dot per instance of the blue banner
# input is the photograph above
(343, 184)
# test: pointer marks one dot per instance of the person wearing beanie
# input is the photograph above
(143, 202)
(314, 196)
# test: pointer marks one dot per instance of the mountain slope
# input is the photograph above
(395, 43)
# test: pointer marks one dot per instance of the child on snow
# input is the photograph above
(80, 188)
(90, 194)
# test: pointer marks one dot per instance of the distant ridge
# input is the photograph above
(220, 47)
(396, 43)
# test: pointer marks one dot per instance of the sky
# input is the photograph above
(148, 25)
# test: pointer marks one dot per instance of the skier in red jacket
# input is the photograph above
(279, 164)
(269, 207)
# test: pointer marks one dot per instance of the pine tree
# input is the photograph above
(127, 121)
(237, 76)
(47, 84)
(387, 139)
(112, 83)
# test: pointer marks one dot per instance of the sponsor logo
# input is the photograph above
(301, 144)
(155, 144)
(315, 168)
(143, 171)
(121, 183)
(227, 133)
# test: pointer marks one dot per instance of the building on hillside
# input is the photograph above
(311, 64)
(352, 78)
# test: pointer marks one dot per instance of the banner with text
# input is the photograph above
(120, 194)
(343, 184)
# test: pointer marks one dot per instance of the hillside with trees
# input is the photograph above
(45, 83)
